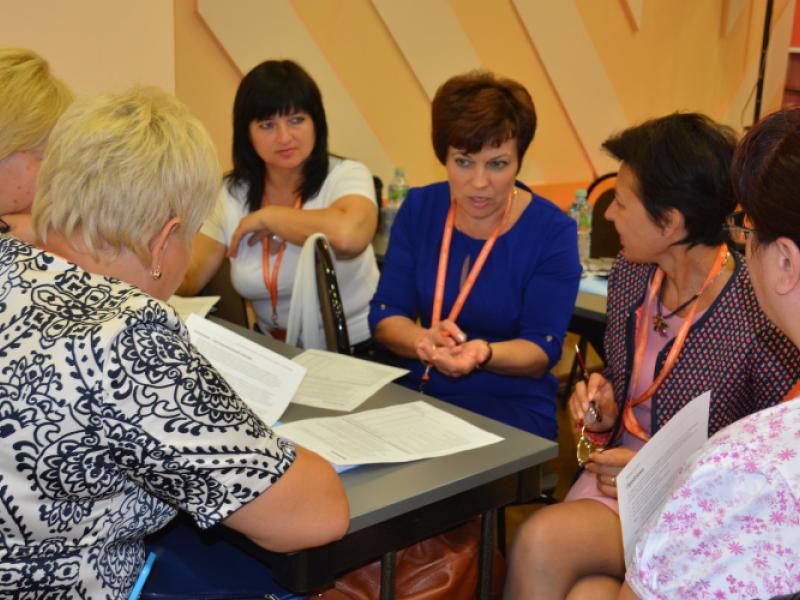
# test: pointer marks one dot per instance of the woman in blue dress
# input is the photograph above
(481, 274)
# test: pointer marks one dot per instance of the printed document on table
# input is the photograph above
(399, 433)
(198, 305)
(340, 382)
(643, 485)
(265, 380)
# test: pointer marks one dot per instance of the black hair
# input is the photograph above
(682, 161)
(276, 87)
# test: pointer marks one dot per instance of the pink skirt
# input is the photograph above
(586, 487)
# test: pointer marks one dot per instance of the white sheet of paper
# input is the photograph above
(643, 485)
(193, 305)
(265, 380)
(398, 433)
(340, 382)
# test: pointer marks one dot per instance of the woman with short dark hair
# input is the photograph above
(484, 332)
(749, 472)
(682, 319)
(284, 187)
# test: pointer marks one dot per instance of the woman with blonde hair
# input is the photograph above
(31, 101)
(111, 420)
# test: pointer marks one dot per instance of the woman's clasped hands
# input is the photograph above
(605, 464)
(445, 347)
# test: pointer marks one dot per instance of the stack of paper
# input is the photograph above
(340, 382)
(643, 485)
(394, 434)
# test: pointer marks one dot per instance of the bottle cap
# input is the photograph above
(399, 172)
(580, 193)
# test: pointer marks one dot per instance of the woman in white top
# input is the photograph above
(284, 187)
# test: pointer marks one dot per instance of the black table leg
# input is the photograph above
(485, 552)
(387, 575)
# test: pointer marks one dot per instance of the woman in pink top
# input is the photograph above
(731, 526)
(682, 319)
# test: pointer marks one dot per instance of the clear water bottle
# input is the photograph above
(396, 192)
(581, 213)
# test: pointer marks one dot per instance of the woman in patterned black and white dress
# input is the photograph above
(110, 419)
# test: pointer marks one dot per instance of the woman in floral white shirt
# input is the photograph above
(731, 526)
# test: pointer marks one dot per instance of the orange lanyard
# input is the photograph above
(444, 256)
(628, 417)
(271, 279)
(793, 393)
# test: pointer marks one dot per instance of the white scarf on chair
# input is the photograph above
(305, 320)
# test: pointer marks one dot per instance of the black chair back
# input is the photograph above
(330, 302)
(605, 239)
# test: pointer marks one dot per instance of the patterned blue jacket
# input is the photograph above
(732, 350)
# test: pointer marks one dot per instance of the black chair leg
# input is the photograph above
(501, 530)
(573, 371)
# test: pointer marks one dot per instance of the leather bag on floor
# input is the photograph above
(444, 567)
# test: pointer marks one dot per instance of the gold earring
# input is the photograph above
(156, 273)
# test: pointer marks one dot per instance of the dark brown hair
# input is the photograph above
(477, 109)
(766, 176)
(682, 161)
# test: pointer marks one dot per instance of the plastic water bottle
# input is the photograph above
(581, 212)
(396, 192)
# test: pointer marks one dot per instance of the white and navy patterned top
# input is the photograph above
(110, 421)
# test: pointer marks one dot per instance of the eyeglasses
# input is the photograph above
(738, 225)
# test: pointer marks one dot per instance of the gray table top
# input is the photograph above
(381, 492)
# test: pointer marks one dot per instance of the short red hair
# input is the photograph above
(477, 109)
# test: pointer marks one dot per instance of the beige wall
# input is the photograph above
(593, 66)
(205, 78)
(96, 45)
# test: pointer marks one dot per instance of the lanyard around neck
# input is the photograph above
(642, 329)
(793, 393)
(271, 279)
(444, 255)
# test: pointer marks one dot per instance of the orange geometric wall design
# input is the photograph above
(592, 66)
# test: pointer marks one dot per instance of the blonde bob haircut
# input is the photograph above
(119, 166)
(31, 100)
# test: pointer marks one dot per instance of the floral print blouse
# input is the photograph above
(731, 527)
(110, 422)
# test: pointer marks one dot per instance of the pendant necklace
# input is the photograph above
(660, 324)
